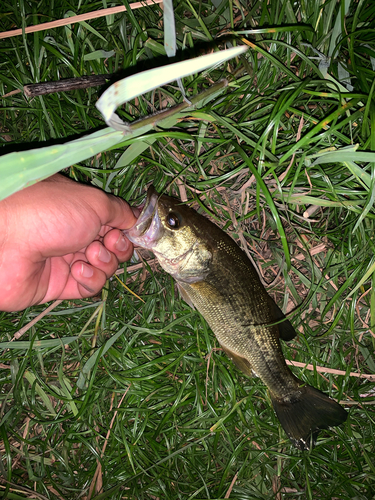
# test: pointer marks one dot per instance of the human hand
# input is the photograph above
(59, 240)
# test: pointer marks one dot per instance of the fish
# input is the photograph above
(215, 276)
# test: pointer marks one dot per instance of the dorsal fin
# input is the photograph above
(286, 330)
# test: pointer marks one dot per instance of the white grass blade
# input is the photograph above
(170, 39)
(135, 85)
(169, 29)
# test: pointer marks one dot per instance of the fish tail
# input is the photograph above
(303, 413)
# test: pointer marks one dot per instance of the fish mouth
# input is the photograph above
(148, 229)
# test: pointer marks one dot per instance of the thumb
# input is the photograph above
(117, 213)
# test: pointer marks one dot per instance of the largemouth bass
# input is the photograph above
(216, 277)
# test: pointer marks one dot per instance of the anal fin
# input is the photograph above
(240, 362)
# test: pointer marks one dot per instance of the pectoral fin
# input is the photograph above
(240, 362)
(185, 296)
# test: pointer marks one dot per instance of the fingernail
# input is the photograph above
(87, 271)
(137, 211)
(122, 244)
(104, 255)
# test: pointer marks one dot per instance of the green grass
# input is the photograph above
(137, 401)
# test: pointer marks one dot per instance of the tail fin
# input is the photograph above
(305, 412)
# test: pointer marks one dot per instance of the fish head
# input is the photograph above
(171, 231)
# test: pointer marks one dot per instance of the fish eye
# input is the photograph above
(173, 221)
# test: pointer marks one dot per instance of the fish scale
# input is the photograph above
(216, 277)
(241, 337)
